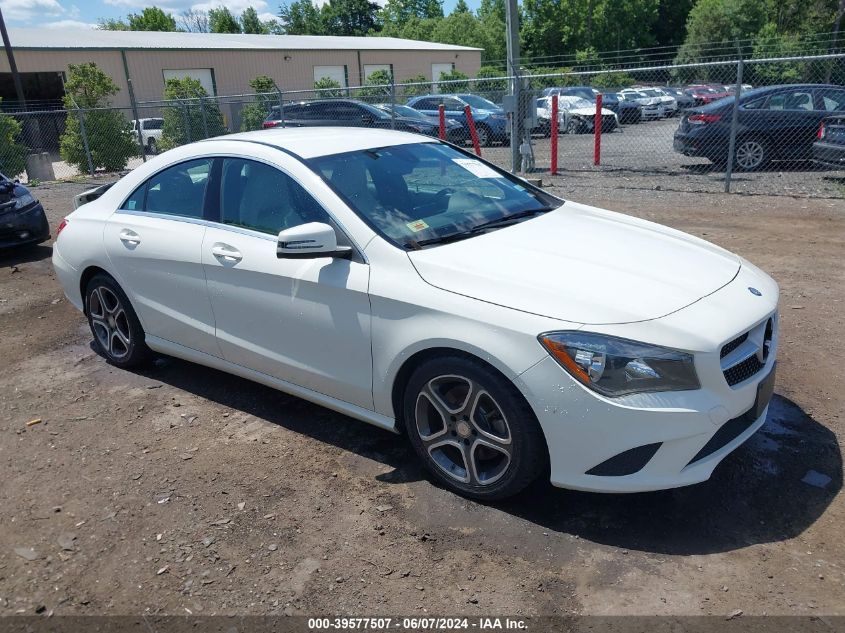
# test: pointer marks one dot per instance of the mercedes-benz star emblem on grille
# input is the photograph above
(755, 292)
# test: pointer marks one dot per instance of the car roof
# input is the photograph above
(311, 142)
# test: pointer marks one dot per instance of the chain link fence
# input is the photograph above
(671, 127)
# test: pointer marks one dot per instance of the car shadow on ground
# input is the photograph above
(755, 496)
(807, 166)
(24, 255)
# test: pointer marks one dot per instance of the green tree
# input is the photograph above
(377, 86)
(251, 23)
(189, 115)
(350, 17)
(112, 24)
(461, 7)
(713, 26)
(555, 78)
(455, 76)
(253, 114)
(221, 20)
(485, 80)
(151, 19)
(110, 138)
(328, 88)
(301, 17)
(415, 86)
(12, 152)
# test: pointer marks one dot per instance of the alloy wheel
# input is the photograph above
(463, 430)
(483, 136)
(750, 154)
(109, 322)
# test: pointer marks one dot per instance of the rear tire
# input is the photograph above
(152, 146)
(750, 154)
(118, 335)
(472, 429)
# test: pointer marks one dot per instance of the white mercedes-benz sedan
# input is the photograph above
(404, 282)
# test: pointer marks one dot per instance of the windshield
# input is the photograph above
(479, 103)
(651, 93)
(424, 192)
(575, 102)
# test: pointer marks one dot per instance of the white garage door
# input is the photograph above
(337, 73)
(204, 75)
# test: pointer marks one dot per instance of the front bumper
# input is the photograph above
(24, 227)
(653, 441)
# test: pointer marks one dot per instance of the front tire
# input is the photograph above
(485, 136)
(472, 429)
(118, 335)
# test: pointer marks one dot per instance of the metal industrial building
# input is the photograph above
(224, 63)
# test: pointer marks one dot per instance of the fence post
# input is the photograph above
(441, 109)
(134, 105)
(554, 133)
(472, 133)
(84, 134)
(204, 121)
(186, 121)
(734, 120)
(392, 103)
(597, 132)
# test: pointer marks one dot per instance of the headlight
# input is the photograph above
(616, 366)
(24, 201)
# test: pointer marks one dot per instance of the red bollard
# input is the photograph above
(554, 133)
(597, 131)
(442, 111)
(473, 134)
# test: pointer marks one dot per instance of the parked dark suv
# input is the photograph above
(775, 123)
(344, 112)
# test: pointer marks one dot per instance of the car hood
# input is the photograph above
(589, 111)
(581, 264)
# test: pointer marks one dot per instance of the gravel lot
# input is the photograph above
(641, 157)
(180, 488)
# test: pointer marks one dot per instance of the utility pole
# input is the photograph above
(16, 77)
(518, 114)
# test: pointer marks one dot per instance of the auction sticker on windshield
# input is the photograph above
(477, 168)
(417, 225)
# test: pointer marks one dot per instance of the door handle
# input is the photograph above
(224, 251)
(130, 238)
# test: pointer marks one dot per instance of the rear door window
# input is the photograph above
(178, 190)
(832, 100)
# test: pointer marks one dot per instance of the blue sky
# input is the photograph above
(63, 14)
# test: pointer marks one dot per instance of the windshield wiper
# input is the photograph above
(509, 219)
(514, 218)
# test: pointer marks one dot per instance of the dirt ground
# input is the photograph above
(180, 489)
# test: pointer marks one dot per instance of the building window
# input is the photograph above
(369, 69)
(204, 75)
(336, 73)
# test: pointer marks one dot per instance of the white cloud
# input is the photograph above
(26, 10)
(68, 24)
(266, 17)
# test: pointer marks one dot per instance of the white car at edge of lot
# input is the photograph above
(151, 132)
(404, 282)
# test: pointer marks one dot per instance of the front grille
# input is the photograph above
(748, 352)
(732, 345)
(743, 371)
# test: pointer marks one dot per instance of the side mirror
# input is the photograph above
(308, 241)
